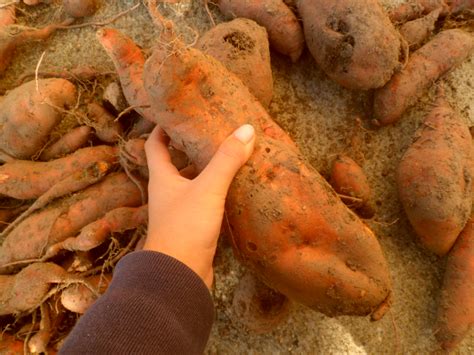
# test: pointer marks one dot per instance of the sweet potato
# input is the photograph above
(444, 52)
(284, 31)
(78, 298)
(434, 178)
(94, 234)
(32, 237)
(128, 60)
(7, 15)
(417, 8)
(29, 113)
(51, 317)
(11, 37)
(353, 41)
(288, 225)
(457, 6)
(348, 180)
(23, 179)
(80, 8)
(242, 46)
(257, 307)
(68, 143)
(456, 304)
(107, 129)
(7, 214)
(417, 31)
(141, 127)
(26, 290)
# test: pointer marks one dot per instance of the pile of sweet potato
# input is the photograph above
(71, 195)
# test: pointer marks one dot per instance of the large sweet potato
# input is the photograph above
(287, 223)
(242, 46)
(29, 113)
(32, 237)
(434, 178)
(353, 41)
(456, 305)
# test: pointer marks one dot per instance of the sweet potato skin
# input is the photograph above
(26, 120)
(417, 8)
(78, 298)
(24, 179)
(436, 193)
(107, 129)
(7, 15)
(315, 251)
(71, 141)
(417, 31)
(353, 41)
(445, 51)
(242, 46)
(31, 238)
(456, 305)
(284, 31)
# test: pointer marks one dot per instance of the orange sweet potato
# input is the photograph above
(284, 31)
(353, 41)
(349, 180)
(78, 298)
(444, 52)
(68, 143)
(24, 179)
(288, 225)
(107, 129)
(257, 307)
(434, 178)
(416, 8)
(417, 31)
(32, 237)
(29, 113)
(456, 305)
(242, 46)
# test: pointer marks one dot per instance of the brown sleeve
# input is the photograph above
(154, 305)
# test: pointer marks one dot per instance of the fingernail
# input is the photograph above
(245, 133)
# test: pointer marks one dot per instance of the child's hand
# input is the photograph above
(185, 216)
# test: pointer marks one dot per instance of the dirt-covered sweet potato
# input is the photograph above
(29, 113)
(413, 9)
(7, 15)
(78, 298)
(287, 224)
(353, 41)
(107, 129)
(456, 304)
(32, 237)
(284, 31)
(444, 52)
(242, 46)
(68, 143)
(434, 178)
(417, 31)
(80, 8)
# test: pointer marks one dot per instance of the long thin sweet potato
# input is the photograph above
(444, 52)
(32, 237)
(29, 113)
(434, 178)
(417, 8)
(68, 143)
(78, 298)
(456, 305)
(288, 225)
(23, 179)
(242, 46)
(353, 41)
(284, 31)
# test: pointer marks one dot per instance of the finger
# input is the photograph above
(229, 158)
(158, 156)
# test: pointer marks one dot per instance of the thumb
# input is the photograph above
(229, 158)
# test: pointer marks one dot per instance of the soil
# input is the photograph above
(324, 119)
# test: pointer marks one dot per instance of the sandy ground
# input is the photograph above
(321, 117)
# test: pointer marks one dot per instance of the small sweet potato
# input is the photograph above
(288, 225)
(456, 304)
(284, 31)
(434, 178)
(417, 8)
(417, 31)
(349, 180)
(29, 113)
(32, 237)
(80, 8)
(107, 129)
(259, 308)
(444, 52)
(242, 46)
(78, 298)
(353, 41)
(68, 143)
(24, 179)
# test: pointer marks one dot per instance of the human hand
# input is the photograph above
(185, 216)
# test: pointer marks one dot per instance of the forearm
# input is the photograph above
(155, 304)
